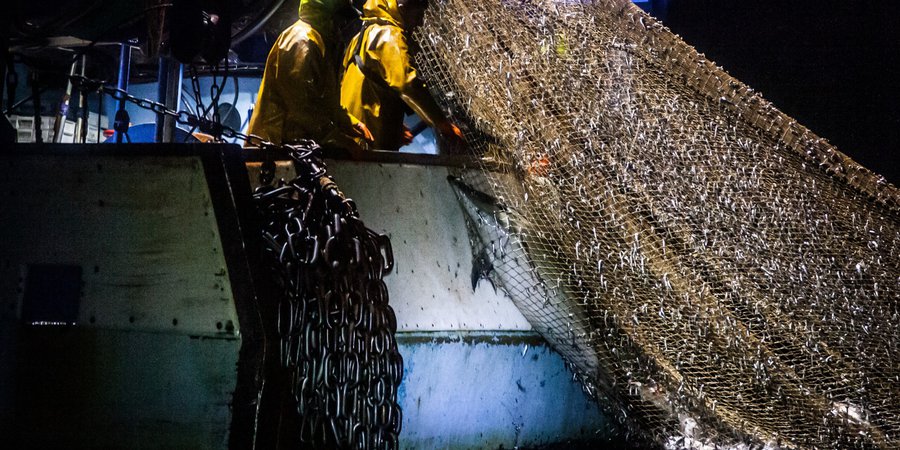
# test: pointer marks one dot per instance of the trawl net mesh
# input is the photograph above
(712, 269)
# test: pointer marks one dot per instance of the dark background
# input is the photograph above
(832, 65)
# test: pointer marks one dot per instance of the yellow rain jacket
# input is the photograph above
(298, 97)
(381, 104)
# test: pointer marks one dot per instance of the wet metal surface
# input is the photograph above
(464, 390)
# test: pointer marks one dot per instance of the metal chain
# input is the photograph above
(182, 117)
(195, 90)
(334, 323)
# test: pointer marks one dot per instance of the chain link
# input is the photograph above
(334, 324)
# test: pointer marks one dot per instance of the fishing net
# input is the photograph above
(714, 271)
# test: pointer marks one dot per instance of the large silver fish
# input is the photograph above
(506, 259)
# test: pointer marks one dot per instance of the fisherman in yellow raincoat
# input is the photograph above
(379, 81)
(299, 96)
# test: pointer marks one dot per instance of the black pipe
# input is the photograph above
(83, 108)
(62, 111)
(7, 132)
(100, 129)
(11, 79)
(257, 23)
(4, 56)
(162, 87)
(36, 98)
(124, 73)
(168, 93)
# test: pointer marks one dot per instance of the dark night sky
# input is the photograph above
(832, 65)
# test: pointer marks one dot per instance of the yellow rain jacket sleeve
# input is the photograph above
(298, 97)
(385, 54)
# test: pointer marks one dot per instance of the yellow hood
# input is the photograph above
(383, 10)
(320, 15)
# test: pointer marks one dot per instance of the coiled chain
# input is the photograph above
(335, 326)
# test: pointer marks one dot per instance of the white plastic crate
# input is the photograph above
(24, 126)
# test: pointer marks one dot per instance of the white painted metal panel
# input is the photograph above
(142, 229)
(431, 287)
(492, 390)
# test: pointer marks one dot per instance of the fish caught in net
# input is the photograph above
(714, 271)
